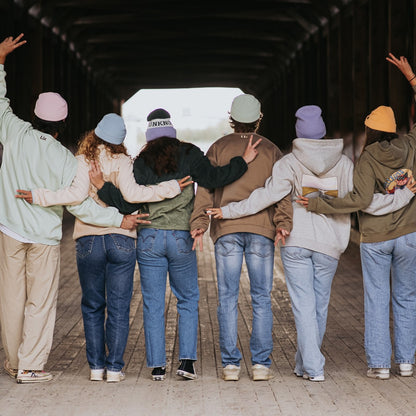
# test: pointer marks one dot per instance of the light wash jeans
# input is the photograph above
(160, 252)
(259, 256)
(106, 269)
(309, 276)
(395, 258)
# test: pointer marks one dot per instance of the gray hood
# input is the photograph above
(318, 155)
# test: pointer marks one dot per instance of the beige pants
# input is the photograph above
(29, 277)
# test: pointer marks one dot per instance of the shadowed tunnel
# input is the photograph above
(288, 53)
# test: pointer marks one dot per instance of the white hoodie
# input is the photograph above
(313, 168)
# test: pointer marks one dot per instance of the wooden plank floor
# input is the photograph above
(346, 391)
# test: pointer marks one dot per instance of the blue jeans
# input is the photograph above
(259, 256)
(395, 258)
(309, 276)
(106, 268)
(160, 252)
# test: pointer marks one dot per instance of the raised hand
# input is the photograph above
(403, 66)
(251, 152)
(9, 45)
(184, 182)
(26, 195)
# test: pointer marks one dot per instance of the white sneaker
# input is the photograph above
(261, 372)
(33, 376)
(115, 376)
(313, 378)
(12, 372)
(406, 369)
(97, 374)
(231, 372)
(380, 373)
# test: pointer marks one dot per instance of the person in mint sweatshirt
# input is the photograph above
(165, 245)
(30, 234)
(388, 242)
(310, 254)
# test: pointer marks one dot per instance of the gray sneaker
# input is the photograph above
(380, 373)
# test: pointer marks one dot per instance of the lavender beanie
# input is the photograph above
(309, 123)
(159, 125)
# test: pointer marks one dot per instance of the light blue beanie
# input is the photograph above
(309, 123)
(111, 129)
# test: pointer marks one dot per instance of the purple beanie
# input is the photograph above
(309, 123)
(50, 106)
(159, 125)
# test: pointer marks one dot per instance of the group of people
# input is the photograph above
(249, 195)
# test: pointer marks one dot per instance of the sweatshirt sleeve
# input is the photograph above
(204, 199)
(283, 213)
(92, 213)
(358, 199)
(72, 195)
(133, 192)
(210, 176)
(10, 124)
(112, 196)
(382, 204)
(276, 187)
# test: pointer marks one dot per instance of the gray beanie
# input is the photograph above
(111, 129)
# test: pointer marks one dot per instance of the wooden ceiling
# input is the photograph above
(134, 44)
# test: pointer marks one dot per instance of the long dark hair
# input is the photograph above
(161, 155)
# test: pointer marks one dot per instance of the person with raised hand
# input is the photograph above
(30, 235)
(388, 242)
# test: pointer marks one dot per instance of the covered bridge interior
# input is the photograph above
(288, 53)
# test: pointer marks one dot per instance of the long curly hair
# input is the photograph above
(88, 146)
(161, 154)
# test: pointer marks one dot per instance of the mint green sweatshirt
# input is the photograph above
(31, 160)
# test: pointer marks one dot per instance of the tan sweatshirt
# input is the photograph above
(264, 222)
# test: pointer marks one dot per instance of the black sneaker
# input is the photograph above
(159, 373)
(187, 369)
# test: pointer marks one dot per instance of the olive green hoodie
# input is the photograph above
(376, 171)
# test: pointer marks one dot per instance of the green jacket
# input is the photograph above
(174, 214)
(378, 170)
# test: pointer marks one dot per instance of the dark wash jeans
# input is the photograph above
(106, 268)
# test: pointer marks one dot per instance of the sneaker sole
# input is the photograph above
(158, 378)
(406, 373)
(97, 378)
(34, 380)
(187, 375)
(379, 376)
(231, 378)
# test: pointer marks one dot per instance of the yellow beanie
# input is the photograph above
(381, 119)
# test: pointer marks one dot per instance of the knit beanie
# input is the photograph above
(381, 119)
(159, 125)
(309, 123)
(245, 108)
(111, 129)
(50, 106)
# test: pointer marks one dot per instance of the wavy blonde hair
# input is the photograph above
(88, 146)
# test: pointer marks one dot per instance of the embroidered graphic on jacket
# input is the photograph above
(313, 186)
(397, 180)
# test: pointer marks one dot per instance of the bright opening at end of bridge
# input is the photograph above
(200, 115)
